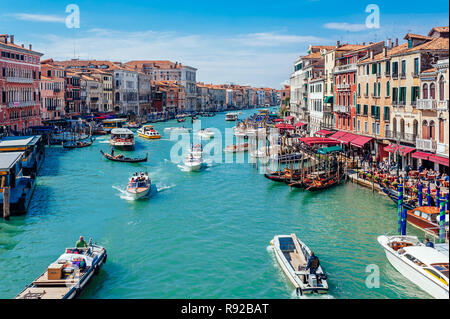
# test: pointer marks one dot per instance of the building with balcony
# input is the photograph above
(19, 85)
(52, 88)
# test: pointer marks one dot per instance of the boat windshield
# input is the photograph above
(286, 244)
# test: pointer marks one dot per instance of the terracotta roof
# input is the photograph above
(430, 70)
(435, 44)
(439, 29)
(416, 36)
(350, 47)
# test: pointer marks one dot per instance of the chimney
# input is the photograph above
(11, 39)
(4, 38)
(396, 42)
(389, 43)
(371, 54)
(364, 43)
(385, 51)
(338, 44)
(23, 46)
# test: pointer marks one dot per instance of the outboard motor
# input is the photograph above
(313, 280)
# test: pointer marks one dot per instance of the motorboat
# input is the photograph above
(206, 133)
(68, 276)
(231, 117)
(292, 255)
(139, 185)
(193, 163)
(148, 132)
(427, 218)
(425, 266)
(235, 148)
(132, 125)
(197, 151)
(122, 138)
(177, 129)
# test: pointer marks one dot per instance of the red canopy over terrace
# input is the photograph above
(278, 120)
(439, 159)
(421, 155)
(347, 138)
(323, 133)
(289, 118)
(404, 150)
(360, 141)
(284, 126)
(318, 140)
(337, 135)
(299, 124)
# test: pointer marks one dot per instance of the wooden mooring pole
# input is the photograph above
(6, 211)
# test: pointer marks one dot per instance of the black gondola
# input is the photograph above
(78, 144)
(121, 158)
(409, 204)
(328, 183)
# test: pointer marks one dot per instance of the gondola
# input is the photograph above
(315, 186)
(78, 144)
(124, 159)
(281, 177)
(408, 204)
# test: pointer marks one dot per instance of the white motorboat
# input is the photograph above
(231, 117)
(177, 129)
(292, 255)
(68, 276)
(193, 163)
(148, 132)
(197, 151)
(425, 266)
(206, 133)
(122, 138)
(139, 186)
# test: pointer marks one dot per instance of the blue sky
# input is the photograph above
(244, 42)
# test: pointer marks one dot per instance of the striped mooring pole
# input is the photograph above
(403, 225)
(437, 197)
(400, 207)
(429, 195)
(420, 195)
(442, 221)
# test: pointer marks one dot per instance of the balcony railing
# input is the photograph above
(426, 104)
(442, 149)
(426, 145)
(345, 68)
(341, 108)
(16, 79)
(443, 105)
(402, 136)
(398, 103)
(21, 103)
(343, 86)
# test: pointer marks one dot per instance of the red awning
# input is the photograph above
(299, 124)
(404, 150)
(288, 118)
(439, 159)
(318, 140)
(278, 120)
(284, 126)
(421, 155)
(337, 135)
(323, 133)
(348, 138)
(360, 141)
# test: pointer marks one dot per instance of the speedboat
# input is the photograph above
(206, 133)
(197, 151)
(424, 266)
(68, 276)
(427, 218)
(193, 163)
(139, 185)
(132, 125)
(148, 132)
(292, 255)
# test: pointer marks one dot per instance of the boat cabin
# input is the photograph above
(110, 124)
(33, 148)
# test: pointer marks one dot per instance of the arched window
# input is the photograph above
(441, 89)
(388, 88)
(379, 89)
(432, 131)
(374, 89)
(415, 128)
(432, 91)
(424, 130)
(441, 130)
(425, 91)
(367, 89)
(394, 125)
(402, 126)
(359, 89)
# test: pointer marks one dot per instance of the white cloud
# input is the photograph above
(261, 59)
(38, 17)
(344, 26)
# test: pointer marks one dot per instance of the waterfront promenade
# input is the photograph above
(200, 235)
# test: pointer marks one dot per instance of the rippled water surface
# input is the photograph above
(199, 235)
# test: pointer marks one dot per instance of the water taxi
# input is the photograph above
(292, 255)
(122, 138)
(426, 218)
(231, 117)
(68, 276)
(193, 163)
(148, 132)
(425, 266)
(132, 125)
(111, 124)
(139, 185)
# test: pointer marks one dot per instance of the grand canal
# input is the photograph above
(200, 235)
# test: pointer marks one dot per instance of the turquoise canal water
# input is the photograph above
(199, 235)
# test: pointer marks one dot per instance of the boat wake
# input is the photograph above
(184, 168)
(104, 142)
(163, 188)
(294, 295)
